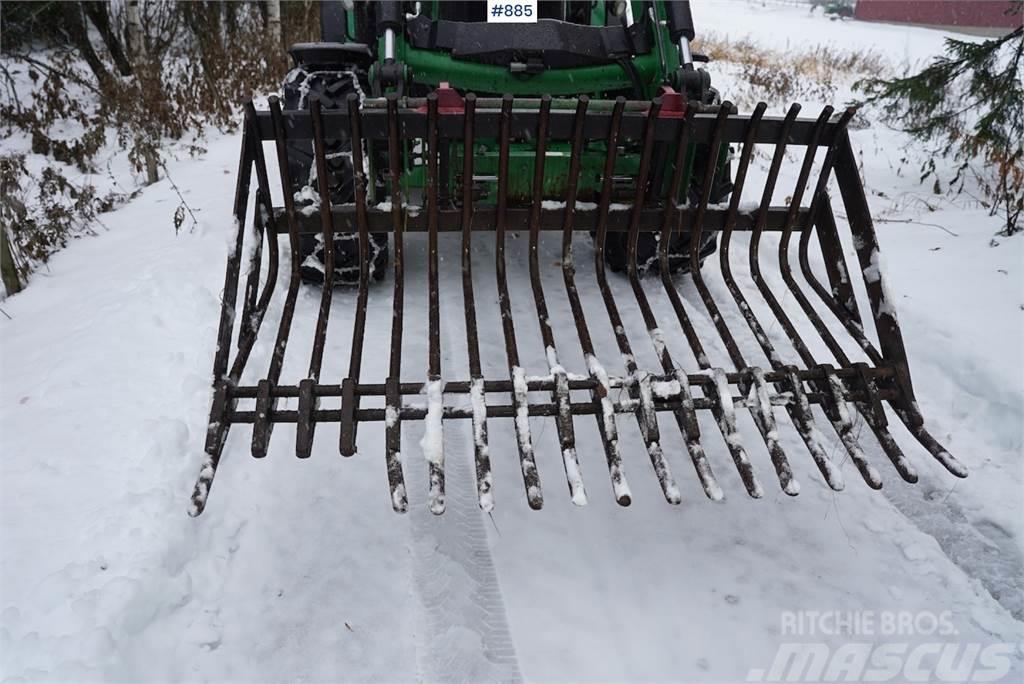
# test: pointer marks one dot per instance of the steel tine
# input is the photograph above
(350, 397)
(308, 403)
(753, 387)
(478, 397)
(842, 307)
(520, 395)
(887, 329)
(560, 395)
(835, 413)
(885, 439)
(857, 332)
(834, 389)
(393, 396)
(604, 411)
(639, 383)
(265, 402)
(722, 407)
(264, 219)
(433, 438)
(686, 417)
(217, 431)
(799, 409)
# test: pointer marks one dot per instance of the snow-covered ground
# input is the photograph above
(299, 570)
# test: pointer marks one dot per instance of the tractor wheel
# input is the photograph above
(648, 246)
(333, 87)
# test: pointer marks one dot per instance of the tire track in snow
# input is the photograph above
(462, 625)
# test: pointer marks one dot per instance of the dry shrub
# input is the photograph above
(201, 62)
(779, 77)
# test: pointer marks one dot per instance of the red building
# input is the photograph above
(960, 13)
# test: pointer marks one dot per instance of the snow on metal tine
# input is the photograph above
(840, 300)
(349, 396)
(826, 220)
(799, 409)
(265, 402)
(217, 431)
(878, 426)
(833, 406)
(686, 417)
(639, 383)
(478, 398)
(752, 382)
(645, 392)
(560, 395)
(887, 329)
(520, 394)
(605, 410)
(306, 427)
(393, 396)
(433, 438)
(834, 389)
(266, 228)
(721, 404)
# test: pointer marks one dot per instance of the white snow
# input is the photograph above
(432, 442)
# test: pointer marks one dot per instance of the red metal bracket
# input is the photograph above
(673, 104)
(448, 100)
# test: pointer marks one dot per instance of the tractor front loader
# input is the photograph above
(593, 120)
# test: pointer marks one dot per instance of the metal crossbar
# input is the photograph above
(842, 388)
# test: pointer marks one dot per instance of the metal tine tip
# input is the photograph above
(600, 395)
(639, 388)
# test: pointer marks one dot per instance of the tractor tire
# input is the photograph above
(333, 87)
(616, 249)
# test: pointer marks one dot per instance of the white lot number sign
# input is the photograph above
(521, 12)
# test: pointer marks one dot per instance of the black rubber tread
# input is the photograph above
(648, 244)
(333, 87)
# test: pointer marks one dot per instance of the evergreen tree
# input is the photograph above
(967, 104)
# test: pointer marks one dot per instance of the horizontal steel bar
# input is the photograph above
(597, 125)
(535, 409)
(379, 219)
(545, 384)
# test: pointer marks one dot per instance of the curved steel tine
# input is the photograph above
(824, 219)
(484, 482)
(722, 408)
(560, 395)
(349, 396)
(905, 410)
(263, 426)
(686, 418)
(875, 420)
(251, 155)
(600, 396)
(753, 387)
(639, 384)
(264, 216)
(528, 464)
(393, 397)
(835, 413)
(433, 438)
(799, 409)
(308, 403)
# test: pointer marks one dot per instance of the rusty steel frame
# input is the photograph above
(845, 391)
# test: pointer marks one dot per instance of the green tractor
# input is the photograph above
(636, 50)
(427, 118)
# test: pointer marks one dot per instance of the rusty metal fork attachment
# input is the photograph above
(824, 353)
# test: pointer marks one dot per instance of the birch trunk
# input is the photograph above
(274, 20)
(136, 45)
